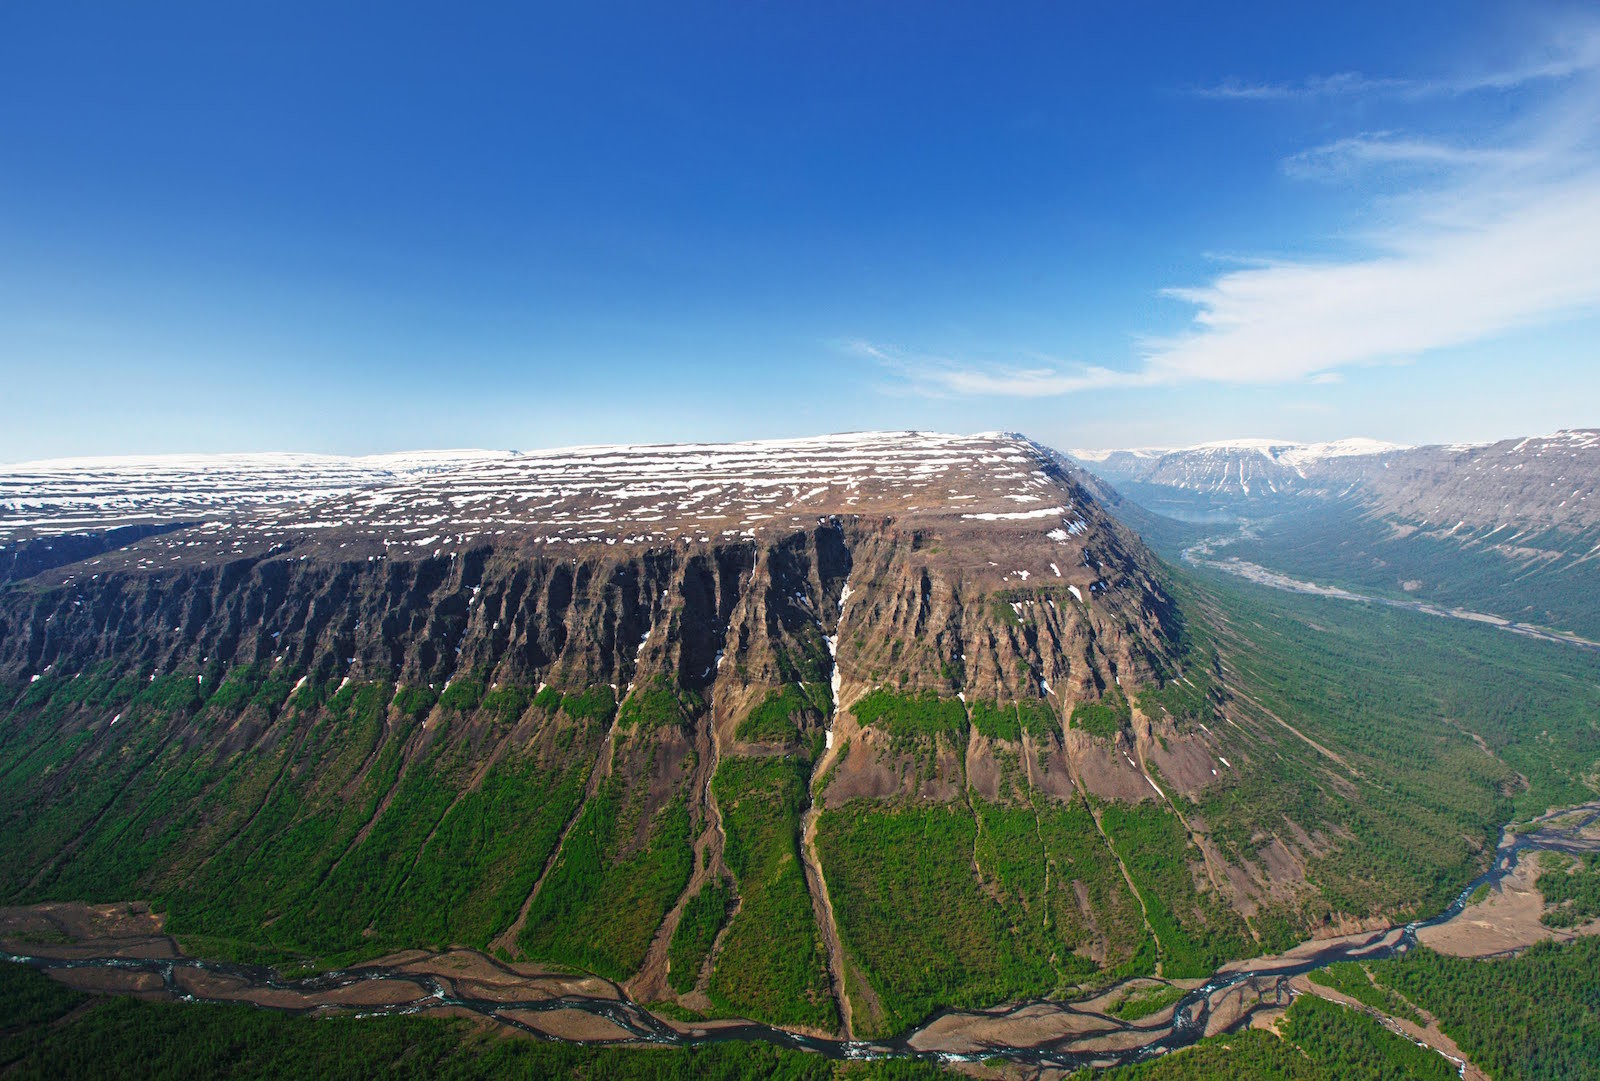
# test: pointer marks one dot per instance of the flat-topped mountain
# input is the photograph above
(628, 494)
(340, 535)
(828, 733)
(1522, 485)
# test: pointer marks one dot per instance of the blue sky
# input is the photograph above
(370, 227)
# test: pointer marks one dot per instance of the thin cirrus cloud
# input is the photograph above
(1572, 51)
(944, 377)
(1507, 235)
(1503, 236)
(1436, 286)
(1346, 157)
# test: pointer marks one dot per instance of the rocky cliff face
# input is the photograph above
(732, 724)
(1524, 486)
(929, 546)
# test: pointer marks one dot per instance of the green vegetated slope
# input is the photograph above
(1534, 1017)
(972, 901)
(914, 917)
(367, 818)
(1196, 929)
(1374, 753)
(1570, 886)
(1405, 742)
(1353, 979)
(779, 716)
(1533, 704)
(628, 856)
(618, 873)
(1315, 1041)
(1413, 738)
(1091, 910)
(696, 933)
(1344, 543)
(772, 965)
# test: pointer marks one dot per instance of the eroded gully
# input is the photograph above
(1040, 1033)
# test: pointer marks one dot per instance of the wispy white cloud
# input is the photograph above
(945, 377)
(1488, 238)
(1504, 233)
(1344, 83)
(1573, 51)
(1345, 157)
(1435, 288)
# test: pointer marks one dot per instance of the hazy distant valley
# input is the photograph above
(1509, 528)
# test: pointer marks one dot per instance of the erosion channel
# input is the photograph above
(121, 949)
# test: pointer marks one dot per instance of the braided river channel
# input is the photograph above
(130, 957)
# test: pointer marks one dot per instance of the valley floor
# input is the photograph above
(123, 949)
(1204, 554)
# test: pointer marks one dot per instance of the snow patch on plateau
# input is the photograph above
(1016, 515)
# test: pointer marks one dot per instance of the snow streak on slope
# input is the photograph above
(615, 494)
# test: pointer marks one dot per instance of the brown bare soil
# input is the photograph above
(111, 981)
(579, 1026)
(479, 976)
(698, 1028)
(1031, 1025)
(1231, 1004)
(377, 992)
(817, 884)
(1310, 951)
(1504, 921)
(70, 929)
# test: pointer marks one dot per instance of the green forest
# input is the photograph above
(1344, 544)
(772, 966)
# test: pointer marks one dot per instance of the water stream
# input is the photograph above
(1267, 980)
(1202, 554)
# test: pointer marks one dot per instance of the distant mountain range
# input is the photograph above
(1245, 467)
(1511, 527)
(1551, 477)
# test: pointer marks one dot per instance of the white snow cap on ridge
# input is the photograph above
(1293, 453)
(1133, 452)
(616, 493)
(1285, 450)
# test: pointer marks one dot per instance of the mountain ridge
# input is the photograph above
(1511, 527)
(942, 733)
(1395, 476)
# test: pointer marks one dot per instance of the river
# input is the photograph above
(1041, 1033)
(1201, 555)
